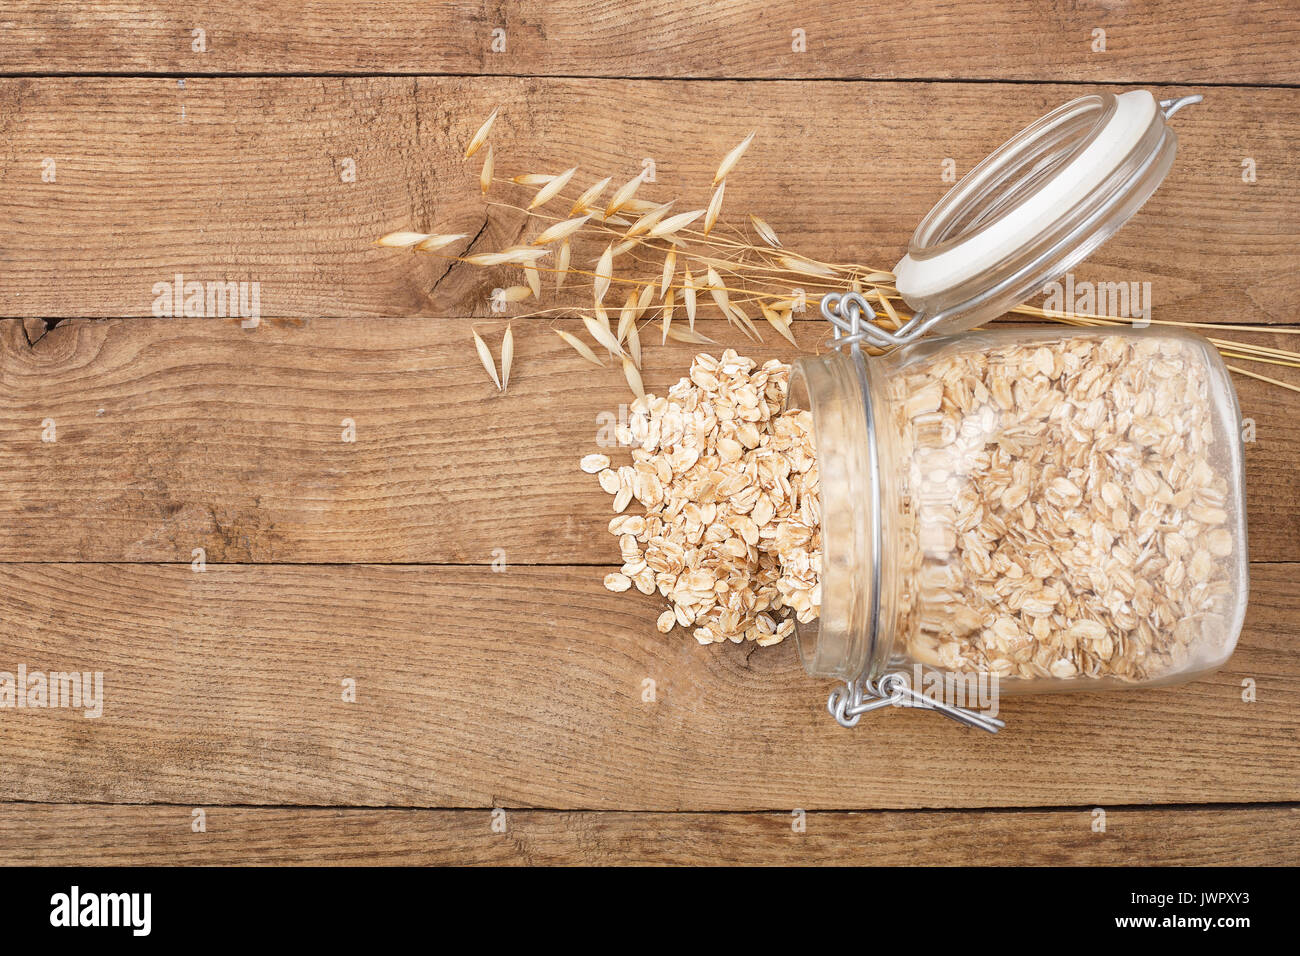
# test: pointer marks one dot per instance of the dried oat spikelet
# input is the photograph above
(746, 323)
(636, 207)
(633, 377)
(670, 266)
(485, 177)
(403, 240)
(507, 357)
(719, 292)
(888, 307)
(485, 356)
(517, 255)
(514, 293)
(675, 224)
(589, 196)
(626, 316)
(604, 272)
(562, 265)
(552, 189)
(806, 266)
(765, 232)
(643, 300)
(732, 158)
(775, 320)
(434, 243)
(580, 347)
(560, 230)
(648, 222)
(634, 344)
(688, 295)
(689, 336)
(481, 136)
(534, 279)
(667, 313)
(715, 207)
(603, 336)
(624, 194)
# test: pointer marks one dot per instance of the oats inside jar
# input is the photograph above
(1061, 513)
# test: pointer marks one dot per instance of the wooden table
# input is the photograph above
(199, 531)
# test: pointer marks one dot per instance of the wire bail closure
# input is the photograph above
(847, 704)
(854, 322)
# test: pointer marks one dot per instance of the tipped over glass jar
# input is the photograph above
(1052, 508)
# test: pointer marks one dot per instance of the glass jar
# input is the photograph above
(1060, 508)
(1053, 508)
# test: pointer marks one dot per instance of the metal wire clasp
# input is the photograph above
(854, 322)
(847, 704)
(1170, 107)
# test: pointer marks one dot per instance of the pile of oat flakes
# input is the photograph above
(731, 529)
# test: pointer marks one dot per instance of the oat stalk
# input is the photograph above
(637, 249)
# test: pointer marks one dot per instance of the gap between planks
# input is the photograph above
(77, 834)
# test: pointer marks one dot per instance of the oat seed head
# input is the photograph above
(552, 189)
(580, 347)
(402, 240)
(732, 158)
(633, 377)
(674, 224)
(507, 357)
(434, 243)
(604, 272)
(481, 136)
(623, 195)
(765, 232)
(715, 207)
(602, 335)
(561, 230)
(485, 176)
(485, 356)
(589, 197)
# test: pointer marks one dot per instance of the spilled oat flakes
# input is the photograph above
(731, 530)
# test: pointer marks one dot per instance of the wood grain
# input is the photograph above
(1146, 40)
(77, 835)
(173, 435)
(524, 688)
(241, 180)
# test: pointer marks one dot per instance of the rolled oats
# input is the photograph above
(731, 532)
(1060, 515)
(615, 581)
(593, 464)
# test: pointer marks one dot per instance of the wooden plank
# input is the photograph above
(1004, 39)
(77, 835)
(525, 688)
(173, 435)
(242, 180)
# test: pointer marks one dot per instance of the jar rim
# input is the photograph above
(834, 387)
(1034, 208)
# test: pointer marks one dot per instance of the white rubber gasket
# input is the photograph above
(918, 279)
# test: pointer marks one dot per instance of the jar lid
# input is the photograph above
(1035, 208)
